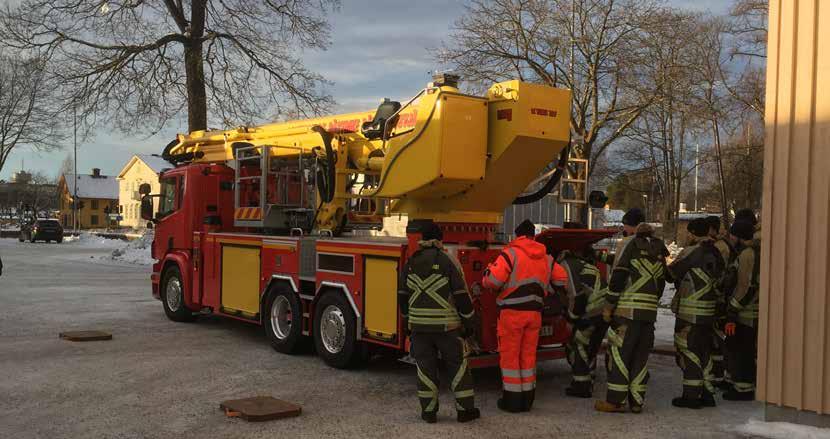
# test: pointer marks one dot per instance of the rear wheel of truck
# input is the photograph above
(283, 321)
(172, 296)
(335, 329)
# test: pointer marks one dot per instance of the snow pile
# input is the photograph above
(136, 251)
(781, 430)
(88, 240)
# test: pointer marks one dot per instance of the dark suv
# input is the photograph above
(41, 230)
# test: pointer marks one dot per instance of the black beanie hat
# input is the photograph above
(430, 231)
(698, 227)
(743, 230)
(714, 222)
(633, 217)
(746, 215)
(526, 228)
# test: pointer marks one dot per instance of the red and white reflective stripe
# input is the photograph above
(511, 380)
(528, 379)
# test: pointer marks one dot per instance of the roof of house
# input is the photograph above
(154, 162)
(104, 186)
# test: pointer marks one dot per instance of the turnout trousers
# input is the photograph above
(742, 349)
(629, 343)
(582, 350)
(518, 333)
(718, 355)
(693, 344)
(425, 347)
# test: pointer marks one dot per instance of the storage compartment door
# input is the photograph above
(240, 279)
(381, 306)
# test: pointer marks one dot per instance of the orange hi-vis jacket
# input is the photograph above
(523, 273)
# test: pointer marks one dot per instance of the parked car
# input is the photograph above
(41, 230)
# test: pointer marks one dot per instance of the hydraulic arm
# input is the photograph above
(443, 155)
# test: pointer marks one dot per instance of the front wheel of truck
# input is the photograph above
(172, 296)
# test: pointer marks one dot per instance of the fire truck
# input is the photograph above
(282, 225)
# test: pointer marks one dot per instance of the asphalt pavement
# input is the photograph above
(160, 379)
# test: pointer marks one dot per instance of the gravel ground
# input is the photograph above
(162, 379)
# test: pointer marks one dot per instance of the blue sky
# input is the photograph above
(379, 49)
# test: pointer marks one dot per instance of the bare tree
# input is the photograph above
(750, 26)
(588, 46)
(660, 141)
(141, 62)
(26, 118)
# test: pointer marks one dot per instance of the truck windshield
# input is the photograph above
(167, 201)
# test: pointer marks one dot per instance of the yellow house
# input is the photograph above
(141, 168)
(97, 198)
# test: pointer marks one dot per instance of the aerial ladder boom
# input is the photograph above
(443, 155)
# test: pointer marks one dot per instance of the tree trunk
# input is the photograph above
(196, 93)
(721, 180)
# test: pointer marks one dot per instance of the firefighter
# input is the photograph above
(522, 275)
(719, 377)
(438, 312)
(696, 272)
(637, 282)
(742, 314)
(586, 290)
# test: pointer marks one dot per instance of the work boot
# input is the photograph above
(734, 395)
(504, 406)
(468, 415)
(578, 393)
(430, 417)
(608, 407)
(636, 409)
(686, 403)
(723, 385)
(708, 400)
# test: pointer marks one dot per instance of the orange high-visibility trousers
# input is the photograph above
(518, 333)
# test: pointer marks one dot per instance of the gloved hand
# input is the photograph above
(607, 312)
(729, 328)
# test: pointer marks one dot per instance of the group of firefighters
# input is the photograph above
(716, 307)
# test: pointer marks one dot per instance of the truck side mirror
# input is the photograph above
(597, 199)
(147, 208)
(144, 189)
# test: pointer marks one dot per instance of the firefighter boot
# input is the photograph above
(686, 403)
(708, 399)
(527, 400)
(734, 395)
(511, 402)
(608, 407)
(468, 415)
(579, 389)
(430, 417)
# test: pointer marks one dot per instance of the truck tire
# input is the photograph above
(335, 329)
(59, 240)
(282, 319)
(172, 296)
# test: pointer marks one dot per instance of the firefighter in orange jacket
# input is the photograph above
(522, 275)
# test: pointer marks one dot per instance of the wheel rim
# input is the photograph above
(281, 317)
(333, 329)
(173, 294)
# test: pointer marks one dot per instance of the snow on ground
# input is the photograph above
(781, 430)
(136, 251)
(89, 240)
(664, 328)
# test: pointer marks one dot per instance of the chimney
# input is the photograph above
(96, 172)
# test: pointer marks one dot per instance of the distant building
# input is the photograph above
(23, 195)
(140, 169)
(97, 198)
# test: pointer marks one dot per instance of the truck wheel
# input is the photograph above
(335, 329)
(283, 320)
(172, 296)
(59, 240)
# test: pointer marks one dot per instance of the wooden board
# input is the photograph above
(260, 408)
(85, 335)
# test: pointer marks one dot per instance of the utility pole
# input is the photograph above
(697, 168)
(75, 177)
